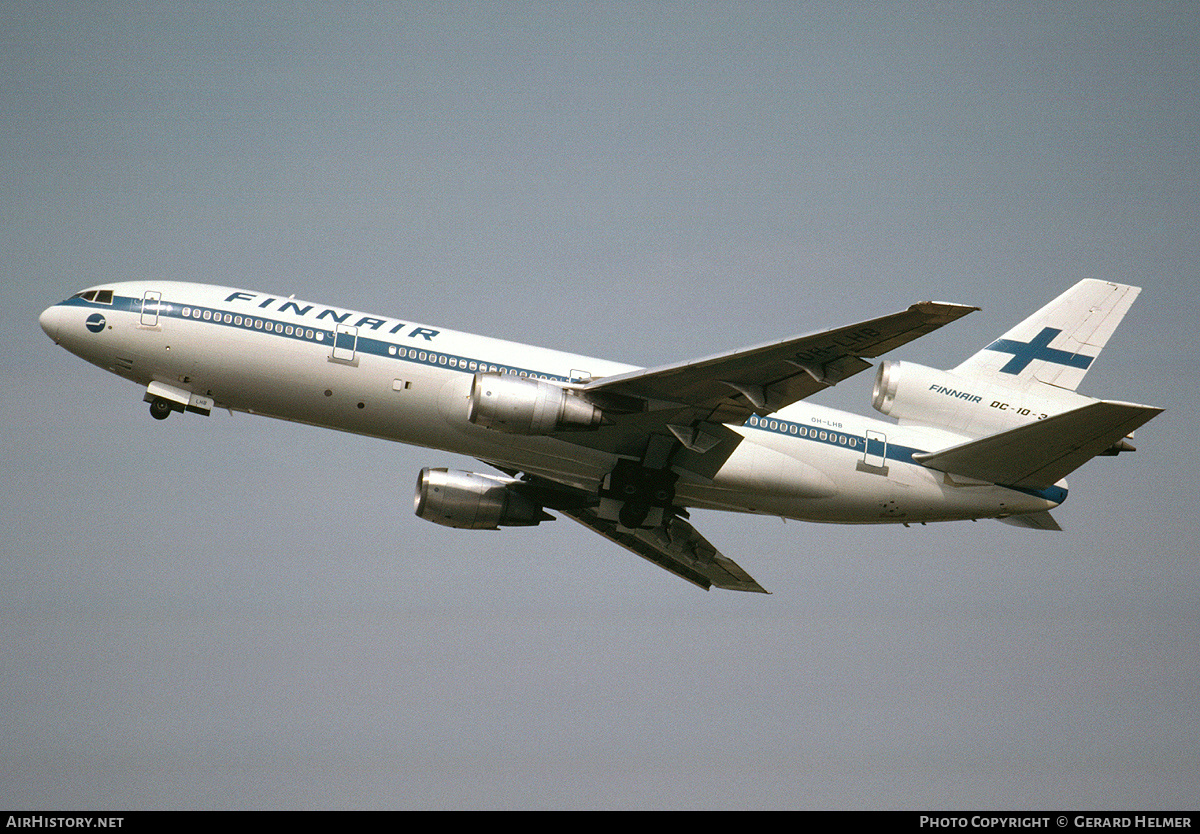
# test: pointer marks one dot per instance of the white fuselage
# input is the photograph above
(398, 380)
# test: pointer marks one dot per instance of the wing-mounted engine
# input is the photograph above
(519, 405)
(468, 500)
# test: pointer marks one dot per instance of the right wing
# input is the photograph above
(674, 545)
(677, 547)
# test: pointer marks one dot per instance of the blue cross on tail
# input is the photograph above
(1038, 348)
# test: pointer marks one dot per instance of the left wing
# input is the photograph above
(729, 387)
(680, 413)
(675, 546)
(676, 416)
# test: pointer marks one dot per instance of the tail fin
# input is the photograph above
(1027, 375)
(1057, 344)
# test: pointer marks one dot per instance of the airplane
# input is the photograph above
(628, 451)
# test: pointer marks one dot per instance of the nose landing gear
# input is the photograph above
(161, 409)
(165, 398)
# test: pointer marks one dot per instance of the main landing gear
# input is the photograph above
(639, 497)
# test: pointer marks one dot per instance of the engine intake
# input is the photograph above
(518, 405)
(470, 501)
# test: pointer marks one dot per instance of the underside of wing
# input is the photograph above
(677, 547)
(673, 545)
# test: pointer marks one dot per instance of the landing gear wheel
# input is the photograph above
(633, 513)
(160, 409)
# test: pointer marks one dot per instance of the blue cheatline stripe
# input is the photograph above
(895, 451)
(1038, 348)
(397, 351)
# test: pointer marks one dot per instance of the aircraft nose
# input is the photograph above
(50, 320)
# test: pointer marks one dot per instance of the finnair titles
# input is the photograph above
(290, 305)
(628, 452)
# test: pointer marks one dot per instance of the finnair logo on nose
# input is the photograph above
(95, 322)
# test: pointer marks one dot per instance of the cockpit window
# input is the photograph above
(98, 296)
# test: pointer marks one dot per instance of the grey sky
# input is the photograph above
(233, 612)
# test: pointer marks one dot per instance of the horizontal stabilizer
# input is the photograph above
(1033, 521)
(1038, 455)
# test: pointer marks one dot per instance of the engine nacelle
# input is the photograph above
(917, 394)
(471, 501)
(519, 405)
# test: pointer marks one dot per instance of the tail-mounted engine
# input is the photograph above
(519, 405)
(917, 394)
(471, 501)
